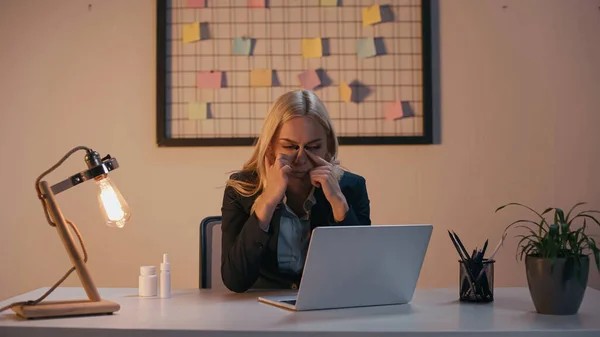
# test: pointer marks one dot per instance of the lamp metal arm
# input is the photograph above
(106, 165)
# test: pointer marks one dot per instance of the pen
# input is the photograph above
(498, 247)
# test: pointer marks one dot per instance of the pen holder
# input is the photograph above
(476, 282)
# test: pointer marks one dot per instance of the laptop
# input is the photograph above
(357, 266)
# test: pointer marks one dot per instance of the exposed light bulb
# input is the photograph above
(115, 210)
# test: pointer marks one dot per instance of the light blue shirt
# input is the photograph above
(294, 236)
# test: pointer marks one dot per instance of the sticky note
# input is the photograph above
(261, 77)
(371, 15)
(242, 45)
(365, 47)
(345, 92)
(195, 3)
(191, 32)
(309, 79)
(197, 110)
(331, 3)
(393, 111)
(312, 48)
(256, 3)
(209, 79)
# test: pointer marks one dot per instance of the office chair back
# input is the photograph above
(210, 253)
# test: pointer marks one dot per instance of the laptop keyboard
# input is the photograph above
(292, 302)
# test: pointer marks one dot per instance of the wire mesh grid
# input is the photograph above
(236, 109)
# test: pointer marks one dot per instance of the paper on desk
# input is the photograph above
(241, 45)
(195, 3)
(365, 47)
(209, 79)
(261, 77)
(331, 3)
(345, 92)
(256, 3)
(371, 15)
(191, 32)
(312, 48)
(309, 79)
(197, 110)
(393, 111)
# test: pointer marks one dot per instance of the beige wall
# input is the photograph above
(520, 111)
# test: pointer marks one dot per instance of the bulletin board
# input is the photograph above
(222, 63)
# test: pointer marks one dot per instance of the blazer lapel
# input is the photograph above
(274, 227)
(321, 212)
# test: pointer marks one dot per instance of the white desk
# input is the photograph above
(194, 312)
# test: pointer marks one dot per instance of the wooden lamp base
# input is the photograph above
(66, 308)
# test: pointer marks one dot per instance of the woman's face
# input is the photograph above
(297, 136)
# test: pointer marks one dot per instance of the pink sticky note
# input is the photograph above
(393, 111)
(309, 79)
(256, 3)
(195, 3)
(209, 79)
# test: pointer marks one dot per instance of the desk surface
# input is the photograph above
(195, 312)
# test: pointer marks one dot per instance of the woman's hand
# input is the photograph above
(325, 175)
(277, 180)
(277, 177)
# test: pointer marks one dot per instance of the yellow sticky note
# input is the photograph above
(191, 32)
(312, 48)
(329, 3)
(371, 15)
(261, 77)
(197, 110)
(345, 92)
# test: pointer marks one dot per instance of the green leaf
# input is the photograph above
(547, 210)
(587, 216)
(526, 221)
(559, 216)
(525, 237)
(530, 231)
(518, 204)
(553, 230)
(595, 251)
(572, 208)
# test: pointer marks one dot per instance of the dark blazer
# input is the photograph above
(249, 254)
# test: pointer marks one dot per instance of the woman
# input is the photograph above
(291, 184)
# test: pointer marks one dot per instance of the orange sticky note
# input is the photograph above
(209, 79)
(256, 3)
(261, 78)
(312, 48)
(309, 79)
(195, 3)
(197, 110)
(371, 15)
(191, 32)
(345, 92)
(393, 111)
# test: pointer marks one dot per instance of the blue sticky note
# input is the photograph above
(242, 45)
(365, 47)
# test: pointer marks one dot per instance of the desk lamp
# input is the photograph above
(116, 214)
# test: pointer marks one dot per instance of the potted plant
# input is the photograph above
(556, 258)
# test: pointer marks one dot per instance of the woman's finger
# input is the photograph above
(321, 169)
(282, 160)
(286, 169)
(316, 180)
(318, 161)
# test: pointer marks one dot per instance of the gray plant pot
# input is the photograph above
(560, 291)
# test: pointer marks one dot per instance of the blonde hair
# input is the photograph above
(297, 103)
